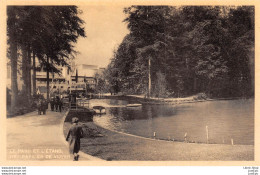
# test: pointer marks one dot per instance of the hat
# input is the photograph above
(75, 120)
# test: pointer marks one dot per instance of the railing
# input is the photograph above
(80, 104)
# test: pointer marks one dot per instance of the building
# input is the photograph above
(84, 74)
(57, 82)
(80, 78)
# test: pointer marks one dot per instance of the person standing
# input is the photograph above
(52, 102)
(44, 106)
(75, 134)
(39, 106)
(57, 102)
(60, 104)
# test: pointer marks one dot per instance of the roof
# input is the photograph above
(88, 71)
(87, 66)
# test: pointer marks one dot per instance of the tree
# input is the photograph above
(197, 48)
(101, 84)
(11, 33)
(67, 27)
(160, 89)
(241, 59)
(46, 31)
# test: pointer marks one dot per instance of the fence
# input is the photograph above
(80, 104)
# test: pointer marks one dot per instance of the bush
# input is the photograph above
(200, 96)
(23, 106)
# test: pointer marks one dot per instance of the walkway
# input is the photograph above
(38, 137)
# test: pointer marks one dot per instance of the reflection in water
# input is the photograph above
(226, 120)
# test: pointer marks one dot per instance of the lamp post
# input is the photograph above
(149, 77)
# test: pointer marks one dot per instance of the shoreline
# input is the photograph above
(160, 101)
(112, 145)
(165, 140)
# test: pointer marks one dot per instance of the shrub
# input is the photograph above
(200, 96)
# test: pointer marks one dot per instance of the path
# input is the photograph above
(38, 137)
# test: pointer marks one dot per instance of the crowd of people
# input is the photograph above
(56, 104)
(42, 106)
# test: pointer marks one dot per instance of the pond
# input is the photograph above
(224, 119)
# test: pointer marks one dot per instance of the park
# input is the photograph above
(179, 84)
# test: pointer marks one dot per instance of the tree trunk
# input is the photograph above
(13, 54)
(14, 86)
(149, 78)
(34, 75)
(29, 75)
(25, 73)
(48, 77)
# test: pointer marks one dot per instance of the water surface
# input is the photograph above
(225, 119)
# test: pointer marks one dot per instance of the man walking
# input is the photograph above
(75, 134)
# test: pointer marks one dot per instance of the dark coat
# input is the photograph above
(52, 101)
(42, 105)
(75, 133)
(57, 101)
(45, 104)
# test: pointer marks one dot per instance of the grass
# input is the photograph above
(111, 145)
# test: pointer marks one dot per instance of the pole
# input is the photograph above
(34, 74)
(48, 83)
(70, 81)
(149, 77)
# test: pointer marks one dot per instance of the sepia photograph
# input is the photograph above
(127, 82)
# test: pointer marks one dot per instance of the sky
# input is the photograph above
(105, 30)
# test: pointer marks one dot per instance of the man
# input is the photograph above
(60, 104)
(76, 133)
(57, 103)
(39, 106)
(44, 106)
(52, 102)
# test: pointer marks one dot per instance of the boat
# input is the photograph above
(99, 109)
(134, 105)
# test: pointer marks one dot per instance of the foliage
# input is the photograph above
(101, 83)
(207, 49)
(160, 88)
(48, 32)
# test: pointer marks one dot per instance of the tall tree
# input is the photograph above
(47, 31)
(198, 49)
(12, 35)
(67, 27)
